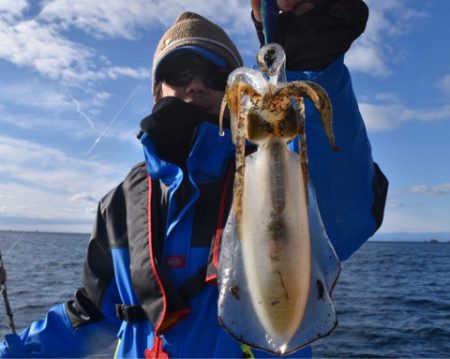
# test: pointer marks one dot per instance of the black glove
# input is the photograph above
(315, 39)
(171, 127)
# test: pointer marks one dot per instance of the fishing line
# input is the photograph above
(19, 237)
(107, 127)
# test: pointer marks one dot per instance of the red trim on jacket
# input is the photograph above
(157, 351)
(173, 318)
(220, 223)
(152, 260)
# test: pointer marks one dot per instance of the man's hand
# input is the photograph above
(298, 6)
(313, 33)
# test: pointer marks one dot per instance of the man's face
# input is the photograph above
(195, 81)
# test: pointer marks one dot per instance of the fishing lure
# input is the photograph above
(277, 267)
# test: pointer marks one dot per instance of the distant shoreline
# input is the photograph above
(42, 232)
(434, 238)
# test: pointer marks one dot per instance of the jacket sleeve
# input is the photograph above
(350, 188)
(82, 325)
(315, 39)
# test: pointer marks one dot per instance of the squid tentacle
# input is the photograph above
(223, 107)
(302, 144)
(319, 98)
(241, 127)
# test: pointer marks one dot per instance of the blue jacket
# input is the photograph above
(149, 239)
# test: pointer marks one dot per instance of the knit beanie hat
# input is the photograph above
(193, 33)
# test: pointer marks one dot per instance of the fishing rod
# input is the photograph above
(269, 14)
(3, 276)
(4, 292)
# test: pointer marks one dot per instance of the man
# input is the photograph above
(145, 271)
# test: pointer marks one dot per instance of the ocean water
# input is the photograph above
(392, 299)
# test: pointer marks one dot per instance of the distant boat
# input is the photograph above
(433, 240)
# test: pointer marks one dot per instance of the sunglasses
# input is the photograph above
(214, 78)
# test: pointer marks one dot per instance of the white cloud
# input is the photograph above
(440, 189)
(122, 71)
(73, 126)
(44, 47)
(41, 47)
(395, 203)
(99, 100)
(39, 203)
(39, 181)
(40, 106)
(35, 94)
(373, 51)
(102, 19)
(125, 19)
(128, 136)
(366, 57)
(389, 116)
(44, 44)
(53, 170)
(102, 96)
(68, 124)
(387, 97)
(445, 84)
(10, 9)
(83, 197)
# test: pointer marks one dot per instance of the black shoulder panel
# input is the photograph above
(97, 273)
(154, 291)
(110, 230)
(123, 203)
(380, 188)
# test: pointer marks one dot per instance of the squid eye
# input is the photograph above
(258, 128)
(289, 126)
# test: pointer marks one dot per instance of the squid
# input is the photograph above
(277, 267)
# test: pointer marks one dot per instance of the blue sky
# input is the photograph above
(69, 69)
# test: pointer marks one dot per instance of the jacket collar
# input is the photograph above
(206, 162)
